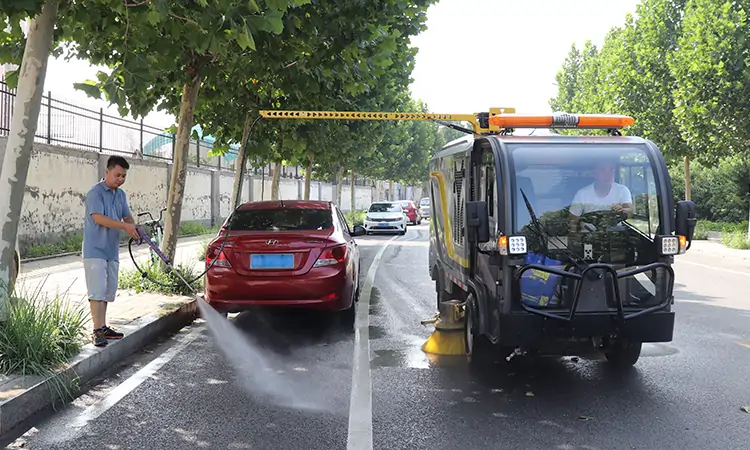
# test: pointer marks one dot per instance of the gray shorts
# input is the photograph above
(101, 278)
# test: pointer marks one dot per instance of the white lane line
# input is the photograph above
(127, 386)
(360, 403)
(721, 269)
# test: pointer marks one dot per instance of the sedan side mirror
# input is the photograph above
(359, 231)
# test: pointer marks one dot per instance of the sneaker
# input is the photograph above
(98, 338)
(110, 333)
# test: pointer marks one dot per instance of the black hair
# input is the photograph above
(116, 160)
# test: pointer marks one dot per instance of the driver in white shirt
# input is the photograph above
(604, 194)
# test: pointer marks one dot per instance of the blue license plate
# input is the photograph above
(272, 261)
(382, 224)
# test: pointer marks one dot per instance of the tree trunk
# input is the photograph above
(263, 182)
(15, 162)
(353, 192)
(179, 166)
(687, 178)
(276, 181)
(239, 175)
(339, 186)
(391, 194)
(308, 176)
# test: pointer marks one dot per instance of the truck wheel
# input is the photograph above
(478, 348)
(623, 354)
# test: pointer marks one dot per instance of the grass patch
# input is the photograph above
(355, 218)
(196, 229)
(39, 336)
(704, 227)
(202, 249)
(166, 282)
(736, 239)
(69, 244)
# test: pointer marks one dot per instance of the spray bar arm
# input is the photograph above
(479, 121)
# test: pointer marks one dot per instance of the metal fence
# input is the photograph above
(68, 125)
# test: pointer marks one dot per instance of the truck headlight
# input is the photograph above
(671, 245)
(512, 245)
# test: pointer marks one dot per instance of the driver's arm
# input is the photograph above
(625, 204)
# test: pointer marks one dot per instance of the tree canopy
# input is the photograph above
(681, 69)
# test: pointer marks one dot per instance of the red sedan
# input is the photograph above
(298, 254)
(412, 212)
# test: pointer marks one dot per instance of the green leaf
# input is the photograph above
(11, 78)
(253, 6)
(153, 16)
(273, 19)
(90, 87)
(245, 39)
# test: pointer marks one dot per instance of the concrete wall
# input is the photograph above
(59, 179)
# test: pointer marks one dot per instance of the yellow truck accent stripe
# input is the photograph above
(464, 262)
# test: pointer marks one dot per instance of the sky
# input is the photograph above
(475, 54)
(511, 50)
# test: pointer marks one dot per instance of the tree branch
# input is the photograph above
(184, 18)
(133, 5)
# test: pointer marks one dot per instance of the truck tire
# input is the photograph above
(623, 354)
(479, 350)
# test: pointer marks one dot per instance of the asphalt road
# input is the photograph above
(184, 393)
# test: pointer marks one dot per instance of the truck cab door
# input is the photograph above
(484, 267)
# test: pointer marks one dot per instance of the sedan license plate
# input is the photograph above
(383, 224)
(272, 261)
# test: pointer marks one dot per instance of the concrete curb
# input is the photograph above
(92, 361)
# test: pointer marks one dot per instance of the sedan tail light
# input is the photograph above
(331, 256)
(222, 261)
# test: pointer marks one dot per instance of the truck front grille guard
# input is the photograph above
(612, 289)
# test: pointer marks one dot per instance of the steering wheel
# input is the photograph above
(603, 218)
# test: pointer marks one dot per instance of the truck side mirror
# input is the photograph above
(478, 222)
(685, 220)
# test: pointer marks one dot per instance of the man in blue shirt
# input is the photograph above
(107, 212)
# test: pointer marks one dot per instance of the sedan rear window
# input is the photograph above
(281, 219)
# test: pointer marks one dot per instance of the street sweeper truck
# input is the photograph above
(554, 244)
(547, 243)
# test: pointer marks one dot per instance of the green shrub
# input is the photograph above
(354, 218)
(40, 335)
(736, 239)
(166, 282)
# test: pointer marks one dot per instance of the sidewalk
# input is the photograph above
(142, 317)
(64, 276)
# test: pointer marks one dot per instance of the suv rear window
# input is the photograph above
(281, 219)
(385, 207)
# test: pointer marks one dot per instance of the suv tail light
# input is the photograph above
(331, 256)
(221, 258)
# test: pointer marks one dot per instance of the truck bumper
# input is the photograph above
(524, 329)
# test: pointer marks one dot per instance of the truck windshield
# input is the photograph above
(597, 201)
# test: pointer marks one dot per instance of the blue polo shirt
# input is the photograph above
(98, 241)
